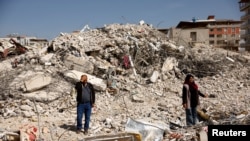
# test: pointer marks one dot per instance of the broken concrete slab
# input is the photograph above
(41, 96)
(38, 81)
(202, 135)
(98, 83)
(79, 63)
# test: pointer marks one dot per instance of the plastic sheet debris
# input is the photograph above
(148, 131)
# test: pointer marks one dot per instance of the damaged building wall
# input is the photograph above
(190, 36)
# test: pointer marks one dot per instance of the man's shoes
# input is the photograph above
(78, 131)
(85, 132)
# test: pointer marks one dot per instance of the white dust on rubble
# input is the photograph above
(151, 90)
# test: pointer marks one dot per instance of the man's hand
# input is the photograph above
(94, 108)
(184, 106)
(206, 95)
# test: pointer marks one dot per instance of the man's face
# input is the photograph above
(84, 78)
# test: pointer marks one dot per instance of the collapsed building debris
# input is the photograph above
(11, 47)
(145, 68)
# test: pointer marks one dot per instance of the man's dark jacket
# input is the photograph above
(78, 88)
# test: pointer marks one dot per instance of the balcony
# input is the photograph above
(242, 32)
(244, 6)
(245, 26)
(245, 17)
(246, 46)
(246, 35)
(243, 35)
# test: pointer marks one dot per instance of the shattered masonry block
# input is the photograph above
(98, 83)
(37, 82)
(79, 64)
(154, 76)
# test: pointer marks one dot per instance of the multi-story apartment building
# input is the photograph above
(217, 33)
(245, 27)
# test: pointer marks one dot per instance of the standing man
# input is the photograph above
(190, 99)
(85, 101)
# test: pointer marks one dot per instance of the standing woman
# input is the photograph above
(190, 99)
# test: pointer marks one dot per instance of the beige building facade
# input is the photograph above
(216, 33)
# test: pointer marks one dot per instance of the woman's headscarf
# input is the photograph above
(191, 85)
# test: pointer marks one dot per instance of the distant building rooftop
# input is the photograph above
(195, 23)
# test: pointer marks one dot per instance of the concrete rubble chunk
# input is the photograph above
(28, 114)
(79, 64)
(25, 108)
(154, 76)
(46, 58)
(98, 83)
(169, 64)
(137, 98)
(41, 96)
(202, 135)
(36, 82)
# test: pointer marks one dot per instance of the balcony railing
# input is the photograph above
(246, 46)
(244, 25)
(242, 32)
(246, 35)
(245, 17)
(244, 6)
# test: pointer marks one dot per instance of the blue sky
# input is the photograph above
(47, 18)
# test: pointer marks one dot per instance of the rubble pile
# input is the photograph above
(138, 74)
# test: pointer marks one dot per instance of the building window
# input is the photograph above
(233, 29)
(225, 30)
(233, 35)
(193, 36)
(211, 35)
(211, 30)
(220, 42)
(219, 29)
(219, 36)
(211, 42)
